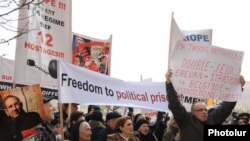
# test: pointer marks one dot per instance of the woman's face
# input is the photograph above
(85, 132)
(144, 129)
(127, 128)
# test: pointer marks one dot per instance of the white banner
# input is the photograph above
(79, 85)
(47, 38)
(6, 73)
(206, 71)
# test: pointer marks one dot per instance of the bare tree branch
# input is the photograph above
(17, 8)
(10, 7)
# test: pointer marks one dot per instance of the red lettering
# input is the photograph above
(51, 2)
(6, 77)
(195, 64)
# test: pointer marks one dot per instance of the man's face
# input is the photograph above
(200, 111)
(13, 107)
(112, 123)
(48, 109)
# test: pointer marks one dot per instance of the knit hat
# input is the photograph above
(112, 115)
(139, 123)
(136, 117)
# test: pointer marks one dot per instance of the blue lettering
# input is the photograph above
(205, 37)
(193, 37)
(197, 37)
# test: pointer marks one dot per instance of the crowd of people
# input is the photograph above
(18, 125)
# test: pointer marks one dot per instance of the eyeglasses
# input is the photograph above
(200, 110)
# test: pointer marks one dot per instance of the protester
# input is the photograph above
(91, 109)
(160, 124)
(70, 108)
(58, 131)
(191, 124)
(143, 131)
(96, 123)
(49, 116)
(81, 131)
(123, 130)
(137, 117)
(131, 113)
(75, 117)
(172, 132)
(111, 119)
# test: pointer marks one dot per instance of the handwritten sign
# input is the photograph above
(206, 71)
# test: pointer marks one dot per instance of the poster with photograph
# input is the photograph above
(23, 114)
(90, 53)
(30, 96)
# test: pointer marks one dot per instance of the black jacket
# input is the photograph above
(22, 127)
(191, 129)
(102, 135)
(15, 127)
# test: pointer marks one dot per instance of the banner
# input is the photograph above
(47, 38)
(205, 71)
(91, 53)
(78, 85)
(6, 73)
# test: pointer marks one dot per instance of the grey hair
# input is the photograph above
(192, 107)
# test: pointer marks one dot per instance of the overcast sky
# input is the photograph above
(140, 30)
